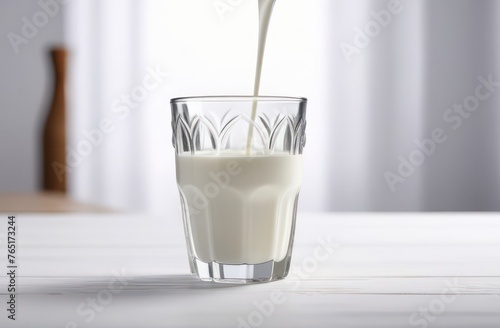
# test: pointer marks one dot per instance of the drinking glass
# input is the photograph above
(239, 172)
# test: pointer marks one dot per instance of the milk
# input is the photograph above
(265, 12)
(239, 209)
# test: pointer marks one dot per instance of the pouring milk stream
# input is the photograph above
(265, 12)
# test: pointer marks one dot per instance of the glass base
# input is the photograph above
(241, 273)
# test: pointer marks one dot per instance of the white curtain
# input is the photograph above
(382, 78)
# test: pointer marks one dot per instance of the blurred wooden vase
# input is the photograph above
(54, 132)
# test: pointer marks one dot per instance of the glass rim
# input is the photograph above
(229, 99)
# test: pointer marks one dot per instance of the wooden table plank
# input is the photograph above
(44, 202)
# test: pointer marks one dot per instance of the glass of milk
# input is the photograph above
(239, 172)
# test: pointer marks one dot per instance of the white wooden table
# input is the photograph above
(349, 270)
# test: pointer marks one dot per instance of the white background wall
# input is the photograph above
(25, 89)
(362, 117)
